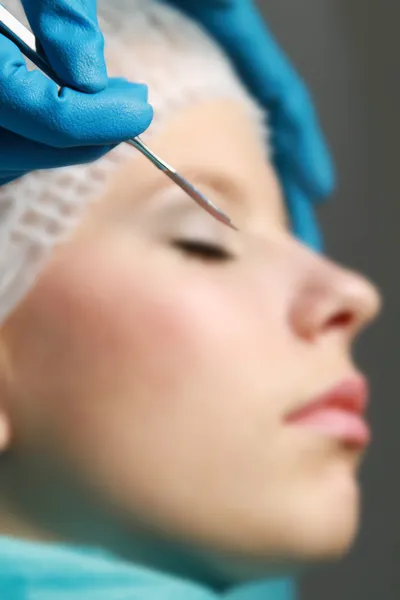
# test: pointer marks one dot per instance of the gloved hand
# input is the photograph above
(41, 129)
(301, 156)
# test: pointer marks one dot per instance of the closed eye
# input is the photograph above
(203, 250)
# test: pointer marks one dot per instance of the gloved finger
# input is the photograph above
(302, 212)
(69, 34)
(15, 149)
(297, 136)
(32, 107)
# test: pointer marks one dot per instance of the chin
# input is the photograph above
(322, 541)
(311, 540)
(324, 530)
(307, 529)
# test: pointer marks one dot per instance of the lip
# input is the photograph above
(338, 413)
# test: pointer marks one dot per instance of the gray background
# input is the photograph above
(349, 53)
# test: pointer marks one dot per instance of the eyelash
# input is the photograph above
(205, 251)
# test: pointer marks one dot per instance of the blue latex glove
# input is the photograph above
(40, 129)
(301, 156)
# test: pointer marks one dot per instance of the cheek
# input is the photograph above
(140, 350)
(111, 318)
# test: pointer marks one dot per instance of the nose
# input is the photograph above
(331, 299)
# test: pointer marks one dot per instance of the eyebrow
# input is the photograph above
(218, 181)
(213, 179)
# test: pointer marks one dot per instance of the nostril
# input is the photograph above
(340, 320)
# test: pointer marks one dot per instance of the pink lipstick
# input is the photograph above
(338, 413)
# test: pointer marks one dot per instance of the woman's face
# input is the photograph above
(161, 354)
